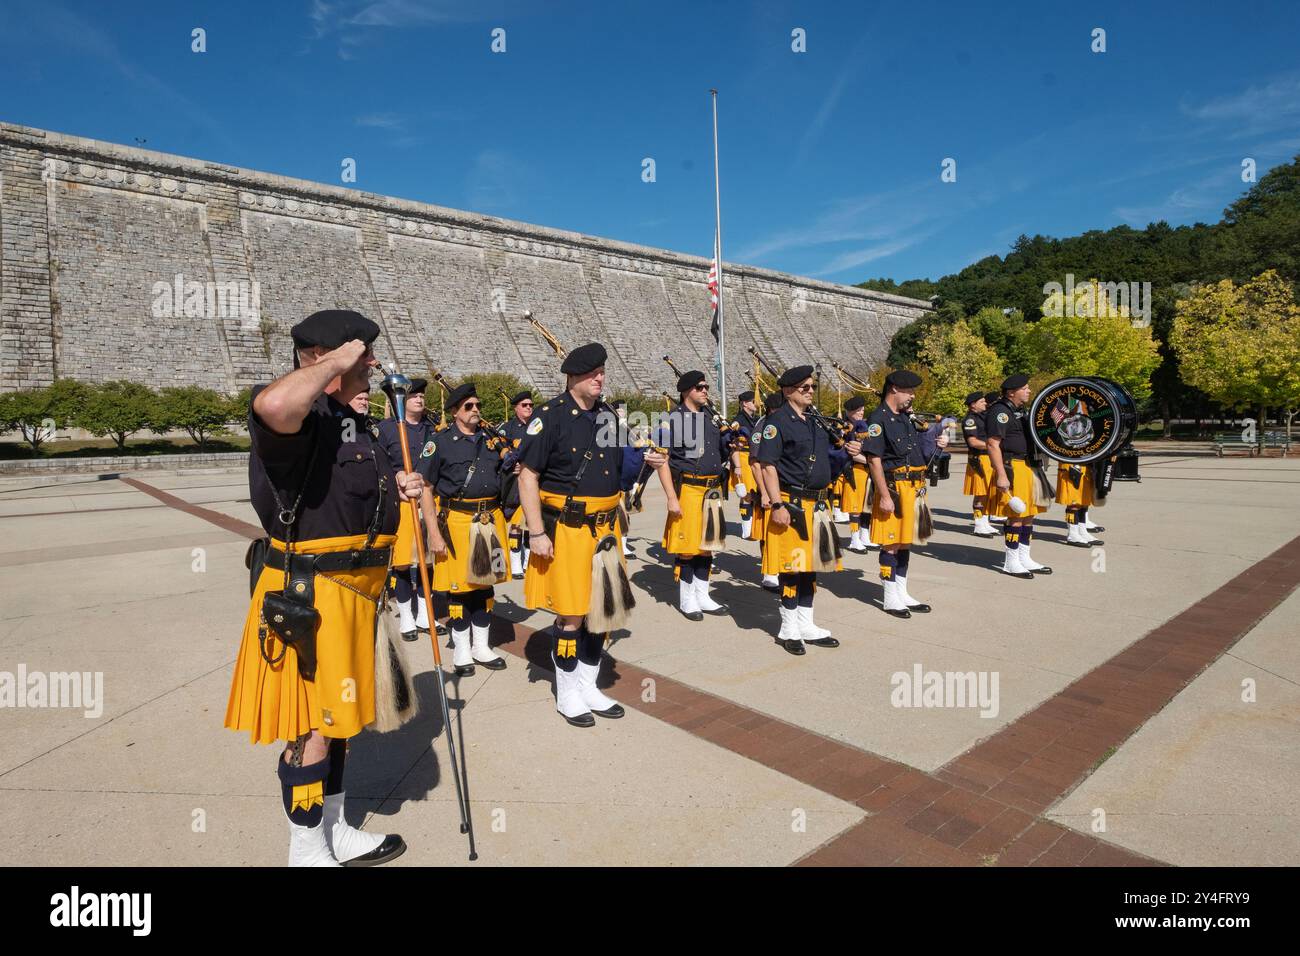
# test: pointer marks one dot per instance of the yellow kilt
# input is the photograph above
(854, 499)
(758, 523)
(682, 535)
(404, 553)
(784, 552)
(273, 702)
(562, 583)
(899, 525)
(1022, 487)
(741, 476)
(450, 573)
(1067, 493)
(977, 483)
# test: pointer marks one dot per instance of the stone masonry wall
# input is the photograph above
(88, 230)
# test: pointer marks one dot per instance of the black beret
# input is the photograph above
(902, 378)
(746, 396)
(1013, 382)
(524, 396)
(688, 381)
(973, 397)
(331, 328)
(854, 403)
(793, 376)
(458, 395)
(584, 359)
(992, 397)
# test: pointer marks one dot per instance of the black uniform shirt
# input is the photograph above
(454, 452)
(798, 447)
(972, 426)
(893, 439)
(695, 445)
(418, 438)
(745, 423)
(340, 493)
(558, 436)
(1003, 420)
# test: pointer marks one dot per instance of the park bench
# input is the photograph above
(1234, 441)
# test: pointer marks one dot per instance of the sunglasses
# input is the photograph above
(468, 406)
(526, 404)
(701, 388)
(805, 388)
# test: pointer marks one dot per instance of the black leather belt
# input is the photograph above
(702, 481)
(333, 561)
(552, 515)
(805, 494)
(474, 507)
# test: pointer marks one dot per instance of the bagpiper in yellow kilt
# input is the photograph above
(1026, 495)
(316, 661)
(1074, 489)
(570, 488)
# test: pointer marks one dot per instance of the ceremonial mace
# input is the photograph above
(397, 385)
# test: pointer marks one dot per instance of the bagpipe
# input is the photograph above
(724, 426)
(1087, 420)
(546, 334)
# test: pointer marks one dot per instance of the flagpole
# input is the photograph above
(717, 203)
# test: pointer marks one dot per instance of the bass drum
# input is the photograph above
(1083, 420)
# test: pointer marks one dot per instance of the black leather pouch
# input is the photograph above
(255, 561)
(294, 623)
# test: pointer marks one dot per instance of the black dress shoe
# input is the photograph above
(410, 635)
(1097, 527)
(1082, 544)
(496, 664)
(719, 610)
(465, 670)
(693, 615)
(1043, 570)
(392, 847)
(857, 550)
(822, 642)
(582, 720)
(919, 608)
(903, 613)
(794, 647)
(774, 588)
(987, 534)
(1024, 575)
(613, 713)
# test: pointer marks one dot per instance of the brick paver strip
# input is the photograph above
(985, 806)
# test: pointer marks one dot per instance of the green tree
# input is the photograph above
(37, 413)
(1092, 335)
(201, 413)
(117, 409)
(1241, 344)
(960, 363)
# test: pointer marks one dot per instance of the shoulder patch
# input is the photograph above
(535, 426)
(1002, 418)
(769, 432)
(429, 449)
(970, 423)
(874, 429)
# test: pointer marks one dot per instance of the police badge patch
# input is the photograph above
(429, 449)
(769, 432)
(874, 429)
(1002, 418)
(534, 426)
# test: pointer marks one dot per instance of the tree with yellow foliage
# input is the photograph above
(960, 363)
(1241, 344)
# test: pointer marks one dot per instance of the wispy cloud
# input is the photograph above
(355, 23)
(1276, 102)
(852, 63)
(382, 121)
(1204, 194)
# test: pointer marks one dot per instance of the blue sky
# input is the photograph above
(830, 158)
